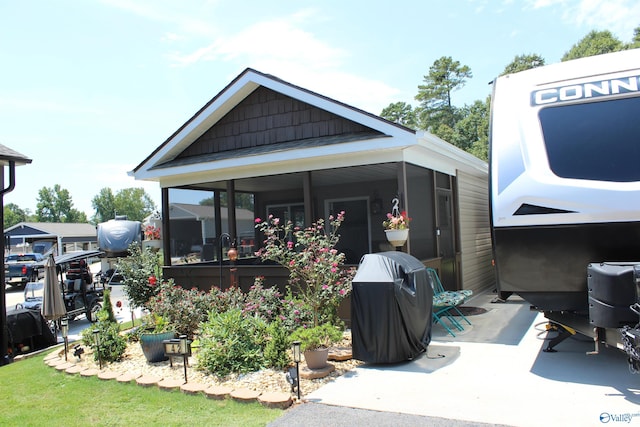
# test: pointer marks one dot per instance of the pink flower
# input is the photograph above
(325, 287)
(342, 292)
(257, 220)
(290, 244)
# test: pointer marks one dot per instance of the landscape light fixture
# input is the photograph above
(297, 358)
(184, 349)
(96, 340)
(64, 329)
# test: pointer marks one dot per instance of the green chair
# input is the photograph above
(445, 303)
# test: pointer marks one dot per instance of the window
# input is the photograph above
(594, 141)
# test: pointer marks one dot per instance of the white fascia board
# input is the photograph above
(341, 149)
(459, 159)
(290, 161)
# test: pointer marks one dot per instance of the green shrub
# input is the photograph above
(136, 269)
(106, 313)
(315, 337)
(231, 342)
(112, 344)
(262, 302)
(182, 309)
(275, 351)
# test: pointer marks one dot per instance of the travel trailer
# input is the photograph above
(565, 194)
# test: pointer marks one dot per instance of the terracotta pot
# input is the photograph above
(397, 237)
(316, 359)
(152, 346)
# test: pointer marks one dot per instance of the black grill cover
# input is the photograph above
(28, 327)
(391, 306)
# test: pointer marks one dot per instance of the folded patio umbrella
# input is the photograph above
(53, 306)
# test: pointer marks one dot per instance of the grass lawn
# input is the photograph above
(34, 394)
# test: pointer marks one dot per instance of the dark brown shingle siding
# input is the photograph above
(268, 118)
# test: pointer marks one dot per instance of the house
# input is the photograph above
(67, 237)
(278, 149)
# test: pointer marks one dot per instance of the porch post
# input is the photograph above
(231, 210)
(308, 200)
(402, 195)
(166, 230)
(218, 222)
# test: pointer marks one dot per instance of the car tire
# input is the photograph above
(92, 313)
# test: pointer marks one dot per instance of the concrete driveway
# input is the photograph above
(494, 372)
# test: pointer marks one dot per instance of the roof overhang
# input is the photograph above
(230, 97)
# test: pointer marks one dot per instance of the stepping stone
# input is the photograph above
(312, 374)
(192, 388)
(108, 375)
(90, 372)
(64, 366)
(340, 354)
(169, 384)
(218, 392)
(275, 399)
(128, 377)
(75, 369)
(55, 362)
(53, 355)
(148, 380)
(244, 395)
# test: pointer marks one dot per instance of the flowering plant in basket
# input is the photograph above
(396, 222)
(151, 232)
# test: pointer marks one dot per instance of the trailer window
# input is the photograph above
(594, 141)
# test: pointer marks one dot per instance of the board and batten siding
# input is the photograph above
(475, 232)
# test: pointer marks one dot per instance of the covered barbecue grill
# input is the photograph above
(391, 306)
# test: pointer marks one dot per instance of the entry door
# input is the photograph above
(354, 231)
(446, 239)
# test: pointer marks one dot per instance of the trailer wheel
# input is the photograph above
(92, 313)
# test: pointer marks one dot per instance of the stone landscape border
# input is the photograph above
(271, 399)
(278, 400)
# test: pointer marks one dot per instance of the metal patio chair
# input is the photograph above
(446, 302)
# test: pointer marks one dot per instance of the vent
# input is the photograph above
(527, 209)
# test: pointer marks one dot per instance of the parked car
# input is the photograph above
(22, 268)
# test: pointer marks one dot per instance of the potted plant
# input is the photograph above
(152, 237)
(151, 337)
(315, 342)
(396, 227)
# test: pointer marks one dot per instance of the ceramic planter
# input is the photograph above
(155, 245)
(397, 237)
(316, 359)
(152, 346)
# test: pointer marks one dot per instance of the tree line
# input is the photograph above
(55, 204)
(467, 127)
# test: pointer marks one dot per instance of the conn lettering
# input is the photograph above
(587, 90)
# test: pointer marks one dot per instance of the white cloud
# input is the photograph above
(599, 15)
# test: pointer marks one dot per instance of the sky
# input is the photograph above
(90, 88)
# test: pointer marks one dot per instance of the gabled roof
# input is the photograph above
(7, 155)
(59, 229)
(169, 155)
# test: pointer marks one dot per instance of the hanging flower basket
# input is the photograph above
(397, 237)
(154, 245)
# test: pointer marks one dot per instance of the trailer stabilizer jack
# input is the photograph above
(563, 333)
